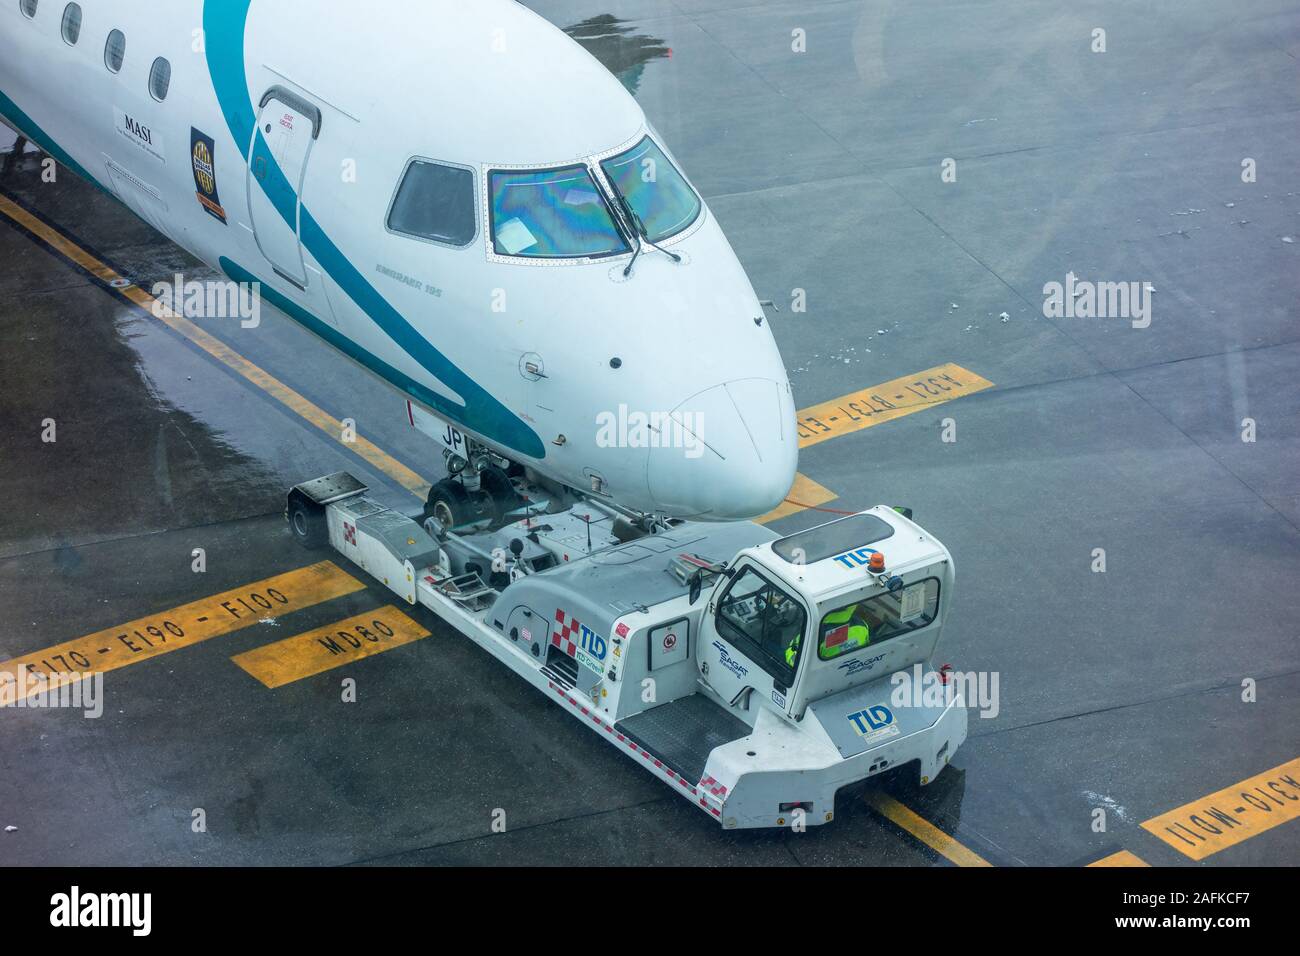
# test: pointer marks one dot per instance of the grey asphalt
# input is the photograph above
(1120, 690)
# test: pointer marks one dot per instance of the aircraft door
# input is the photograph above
(287, 127)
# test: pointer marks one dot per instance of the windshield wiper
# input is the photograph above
(637, 225)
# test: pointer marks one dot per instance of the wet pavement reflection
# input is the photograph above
(617, 45)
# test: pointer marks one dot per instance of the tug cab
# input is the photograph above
(813, 614)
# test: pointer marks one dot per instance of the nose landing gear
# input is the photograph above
(484, 494)
(450, 504)
(502, 496)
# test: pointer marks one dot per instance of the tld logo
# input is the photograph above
(872, 719)
(859, 558)
(593, 643)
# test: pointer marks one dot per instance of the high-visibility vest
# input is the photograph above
(859, 636)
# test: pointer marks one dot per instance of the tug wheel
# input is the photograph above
(450, 504)
(307, 523)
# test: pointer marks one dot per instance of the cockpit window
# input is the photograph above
(551, 214)
(435, 202)
(654, 188)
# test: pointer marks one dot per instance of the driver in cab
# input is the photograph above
(842, 631)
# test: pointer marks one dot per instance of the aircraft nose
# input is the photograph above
(738, 456)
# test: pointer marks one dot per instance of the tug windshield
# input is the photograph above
(551, 214)
(654, 188)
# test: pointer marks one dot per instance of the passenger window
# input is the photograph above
(29, 8)
(71, 24)
(435, 202)
(115, 50)
(765, 622)
(160, 79)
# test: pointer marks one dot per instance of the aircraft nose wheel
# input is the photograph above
(501, 493)
(450, 504)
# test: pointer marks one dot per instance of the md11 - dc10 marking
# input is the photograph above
(456, 196)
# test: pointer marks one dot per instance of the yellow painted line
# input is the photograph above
(1231, 815)
(867, 407)
(1122, 858)
(924, 830)
(885, 402)
(180, 627)
(804, 493)
(268, 383)
(314, 652)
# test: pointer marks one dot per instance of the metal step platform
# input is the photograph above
(683, 733)
(562, 669)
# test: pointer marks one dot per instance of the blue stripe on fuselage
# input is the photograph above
(341, 342)
(9, 109)
(224, 24)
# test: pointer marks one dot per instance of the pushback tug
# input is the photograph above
(758, 703)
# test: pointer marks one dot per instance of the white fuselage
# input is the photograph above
(303, 117)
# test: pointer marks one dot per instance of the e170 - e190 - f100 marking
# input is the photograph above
(184, 626)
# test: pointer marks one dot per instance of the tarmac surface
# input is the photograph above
(1138, 691)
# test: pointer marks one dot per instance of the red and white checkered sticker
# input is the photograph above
(349, 533)
(567, 628)
(713, 786)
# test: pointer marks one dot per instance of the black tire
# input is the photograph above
(496, 484)
(307, 524)
(450, 503)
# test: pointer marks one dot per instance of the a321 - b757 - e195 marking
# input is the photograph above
(883, 403)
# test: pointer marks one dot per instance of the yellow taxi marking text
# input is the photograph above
(883, 403)
(314, 652)
(864, 408)
(924, 830)
(217, 349)
(179, 627)
(1233, 814)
